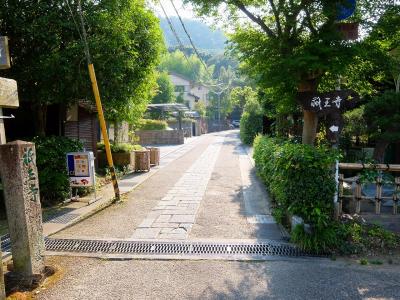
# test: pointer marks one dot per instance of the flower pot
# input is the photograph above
(120, 159)
(142, 160)
(154, 156)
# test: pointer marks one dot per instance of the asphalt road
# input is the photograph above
(223, 213)
(89, 278)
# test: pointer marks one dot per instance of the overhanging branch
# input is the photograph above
(254, 18)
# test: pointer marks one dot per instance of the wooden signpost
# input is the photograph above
(8, 98)
(8, 87)
(330, 105)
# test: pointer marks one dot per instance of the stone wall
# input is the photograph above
(160, 137)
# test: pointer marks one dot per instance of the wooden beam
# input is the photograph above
(378, 167)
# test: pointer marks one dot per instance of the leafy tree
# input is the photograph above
(200, 108)
(383, 118)
(293, 44)
(48, 58)
(240, 96)
(251, 122)
(355, 124)
(165, 92)
(191, 68)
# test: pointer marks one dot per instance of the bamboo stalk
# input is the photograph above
(341, 178)
(358, 196)
(378, 198)
(378, 167)
(396, 196)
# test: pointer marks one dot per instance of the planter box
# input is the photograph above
(119, 159)
(142, 160)
(154, 156)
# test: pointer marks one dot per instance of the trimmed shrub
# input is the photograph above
(251, 122)
(51, 163)
(120, 148)
(301, 181)
(147, 124)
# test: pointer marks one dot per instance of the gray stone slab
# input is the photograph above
(183, 218)
(146, 233)
(165, 225)
(163, 219)
(147, 222)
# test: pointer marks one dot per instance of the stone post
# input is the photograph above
(21, 190)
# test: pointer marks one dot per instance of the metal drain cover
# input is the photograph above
(182, 249)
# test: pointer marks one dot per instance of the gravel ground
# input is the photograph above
(85, 278)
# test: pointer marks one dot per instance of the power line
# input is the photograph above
(171, 26)
(190, 38)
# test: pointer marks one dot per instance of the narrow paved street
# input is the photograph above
(208, 193)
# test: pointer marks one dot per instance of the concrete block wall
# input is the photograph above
(160, 137)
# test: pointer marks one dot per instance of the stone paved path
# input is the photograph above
(175, 214)
(207, 191)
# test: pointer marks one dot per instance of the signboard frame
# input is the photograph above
(80, 169)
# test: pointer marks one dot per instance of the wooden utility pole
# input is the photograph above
(99, 106)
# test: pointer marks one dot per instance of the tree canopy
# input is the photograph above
(290, 46)
(124, 38)
(165, 92)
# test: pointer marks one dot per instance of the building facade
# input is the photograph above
(189, 92)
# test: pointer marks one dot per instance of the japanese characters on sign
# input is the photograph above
(30, 179)
(327, 103)
(8, 93)
(330, 106)
(81, 169)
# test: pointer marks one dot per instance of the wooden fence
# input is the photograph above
(357, 198)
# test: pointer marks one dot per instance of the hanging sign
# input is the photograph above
(331, 106)
(327, 103)
(80, 167)
(4, 53)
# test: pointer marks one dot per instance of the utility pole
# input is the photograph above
(99, 106)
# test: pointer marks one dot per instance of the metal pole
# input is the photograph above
(99, 106)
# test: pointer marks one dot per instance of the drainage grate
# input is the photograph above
(61, 218)
(257, 249)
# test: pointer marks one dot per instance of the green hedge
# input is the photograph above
(51, 163)
(119, 148)
(301, 180)
(251, 122)
(147, 124)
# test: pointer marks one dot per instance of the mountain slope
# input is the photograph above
(203, 36)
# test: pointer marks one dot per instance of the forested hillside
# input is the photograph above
(202, 35)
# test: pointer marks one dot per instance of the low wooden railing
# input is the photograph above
(357, 191)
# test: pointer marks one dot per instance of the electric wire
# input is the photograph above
(190, 38)
(171, 26)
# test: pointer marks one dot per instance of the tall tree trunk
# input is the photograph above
(310, 118)
(379, 151)
(309, 127)
(40, 119)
